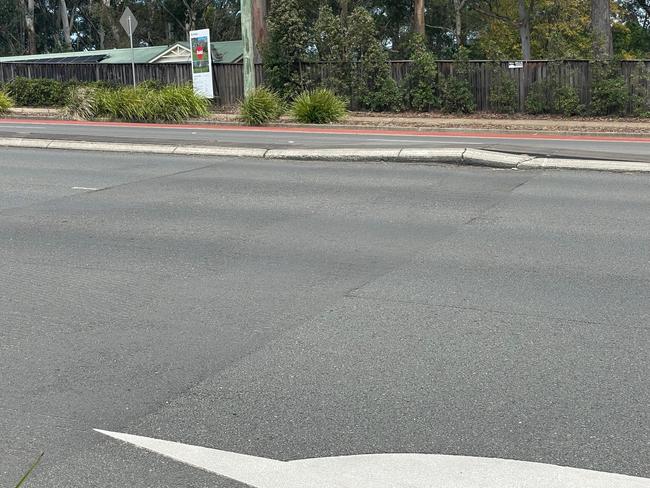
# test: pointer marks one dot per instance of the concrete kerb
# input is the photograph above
(242, 152)
(452, 155)
(479, 157)
(460, 156)
(29, 143)
(585, 164)
(112, 147)
(334, 154)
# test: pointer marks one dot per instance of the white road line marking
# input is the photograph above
(382, 470)
(84, 188)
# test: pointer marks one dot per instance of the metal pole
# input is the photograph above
(132, 53)
(249, 45)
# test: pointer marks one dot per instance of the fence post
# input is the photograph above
(523, 82)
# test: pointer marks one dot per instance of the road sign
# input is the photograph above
(129, 22)
(124, 20)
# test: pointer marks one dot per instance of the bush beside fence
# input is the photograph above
(229, 82)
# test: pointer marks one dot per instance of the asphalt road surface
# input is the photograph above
(293, 310)
(601, 147)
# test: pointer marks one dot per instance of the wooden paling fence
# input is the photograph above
(229, 81)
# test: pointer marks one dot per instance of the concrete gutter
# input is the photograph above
(459, 156)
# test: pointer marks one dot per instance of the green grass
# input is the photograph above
(29, 471)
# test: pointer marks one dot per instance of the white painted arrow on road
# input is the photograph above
(382, 470)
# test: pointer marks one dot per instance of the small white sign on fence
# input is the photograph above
(516, 64)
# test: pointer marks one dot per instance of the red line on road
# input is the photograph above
(334, 130)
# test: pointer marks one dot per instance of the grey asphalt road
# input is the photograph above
(294, 310)
(607, 148)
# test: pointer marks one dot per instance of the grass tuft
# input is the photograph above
(5, 103)
(29, 471)
(261, 106)
(81, 103)
(320, 106)
(169, 104)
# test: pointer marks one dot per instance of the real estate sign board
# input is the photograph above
(201, 63)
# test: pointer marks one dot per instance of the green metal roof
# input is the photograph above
(229, 51)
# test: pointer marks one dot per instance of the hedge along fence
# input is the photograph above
(229, 80)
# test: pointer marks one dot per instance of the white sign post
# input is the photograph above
(201, 63)
(129, 22)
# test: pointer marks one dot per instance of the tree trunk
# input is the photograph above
(65, 24)
(458, 24)
(602, 28)
(344, 5)
(259, 26)
(418, 17)
(524, 29)
(108, 24)
(30, 26)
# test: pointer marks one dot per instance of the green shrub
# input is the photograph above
(261, 106)
(640, 98)
(609, 91)
(81, 103)
(373, 87)
(609, 96)
(171, 104)
(567, 102)
(126, 104)
(5, 103)
(174, 104)
(538, 98)
(640, 106)
(38, 92)
(384, 97)
(320, 106)
(329, 36)
(285, 48)
(152, 85)
(107, 85)
(420, 83)
(457, 96)
(503, 92)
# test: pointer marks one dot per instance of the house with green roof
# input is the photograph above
(222, 52)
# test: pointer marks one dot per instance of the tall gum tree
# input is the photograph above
(30, 26)
(601, 26)
(524, 26)
(418, 17)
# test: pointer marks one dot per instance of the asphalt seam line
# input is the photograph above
(454, 155)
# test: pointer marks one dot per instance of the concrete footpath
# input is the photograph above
(455, 155)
